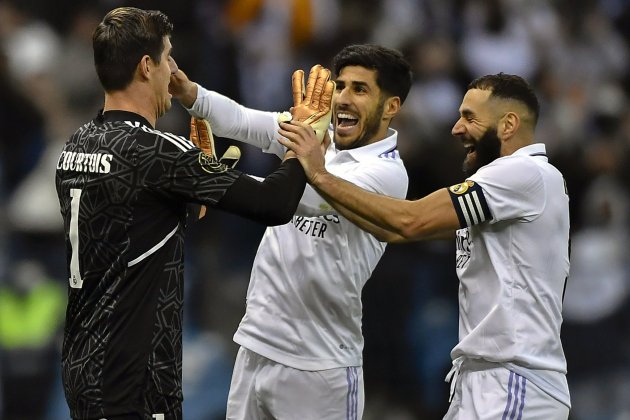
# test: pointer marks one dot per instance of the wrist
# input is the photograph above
(290, 154)
(318, 178)
(189, 96)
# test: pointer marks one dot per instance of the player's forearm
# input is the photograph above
(272, 201)
(379, 233)
(231, 120)
(362, 207)
(431, 217)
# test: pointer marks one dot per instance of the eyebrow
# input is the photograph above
(466, 113)
(353, 83)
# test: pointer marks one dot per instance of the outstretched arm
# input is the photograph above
(227, 117)
(429, 217)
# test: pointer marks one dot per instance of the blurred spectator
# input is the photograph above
(495, 39)
(575, 52)
(31, 314)
(270, 34)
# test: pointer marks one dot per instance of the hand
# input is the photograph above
(183, 89)
(300, 139)
(201, 136)
(312, 104)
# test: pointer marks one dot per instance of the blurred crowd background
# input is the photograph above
(576, 53)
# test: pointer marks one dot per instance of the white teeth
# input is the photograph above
(346, 116)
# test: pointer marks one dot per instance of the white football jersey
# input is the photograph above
(513, 262)
(304, 305)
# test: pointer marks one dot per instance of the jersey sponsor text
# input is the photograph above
(313, 226)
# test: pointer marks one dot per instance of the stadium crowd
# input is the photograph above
(576, 53)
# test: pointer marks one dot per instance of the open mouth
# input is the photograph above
(470, 148)
(346, 121)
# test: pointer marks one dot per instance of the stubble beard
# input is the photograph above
(372, 125)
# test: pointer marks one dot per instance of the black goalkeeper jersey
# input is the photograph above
(123, 188)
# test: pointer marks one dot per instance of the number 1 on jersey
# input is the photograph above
(75, 274)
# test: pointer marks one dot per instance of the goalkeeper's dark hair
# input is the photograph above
(122, 38)
(509, 86)
(393, 71)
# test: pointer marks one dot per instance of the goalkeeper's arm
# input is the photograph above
(272, 201)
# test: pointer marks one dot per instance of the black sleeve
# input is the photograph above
(272, 201)
(192, 213)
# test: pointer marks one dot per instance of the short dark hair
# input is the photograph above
(393, 71)
(122, 38)
(509, 86)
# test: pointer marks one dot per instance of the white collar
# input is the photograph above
(535, 149)
(388, 144)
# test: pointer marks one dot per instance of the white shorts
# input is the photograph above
(263, 389)
(496, 393)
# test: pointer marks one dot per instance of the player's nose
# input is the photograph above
(458, 128)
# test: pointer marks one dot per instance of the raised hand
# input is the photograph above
(312, 104)
(300, 139)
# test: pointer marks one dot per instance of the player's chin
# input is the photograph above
(344, 142)
(164, 108)
(470, 164)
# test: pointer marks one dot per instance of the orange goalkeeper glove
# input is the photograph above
(312, 104)
(201, 136)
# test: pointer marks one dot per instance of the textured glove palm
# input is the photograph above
(201, 136)
(312, 104)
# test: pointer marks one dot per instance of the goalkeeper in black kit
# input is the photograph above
(126, 190)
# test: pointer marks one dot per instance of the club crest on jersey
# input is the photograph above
(461, 188)
(211, 165)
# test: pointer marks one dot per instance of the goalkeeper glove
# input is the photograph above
(201, 136)
(312, 104)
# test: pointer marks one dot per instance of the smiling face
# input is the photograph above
(358, 105)
(476, 128)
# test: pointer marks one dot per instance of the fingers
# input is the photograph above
(201, 135)
(325, 102)
(299, 138)
(298, 133)
(194, 133)
(323, 76)
(294, 128)
(310, 85)
(297, 83)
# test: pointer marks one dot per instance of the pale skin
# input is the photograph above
(433, 216)
(147, 94)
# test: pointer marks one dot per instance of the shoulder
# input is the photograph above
(162, 140)
(517, 178)
(510, 169)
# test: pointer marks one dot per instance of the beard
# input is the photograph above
(372, 125)
(487, 149)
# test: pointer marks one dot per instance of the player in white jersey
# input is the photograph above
(511, 224)
(301, 340)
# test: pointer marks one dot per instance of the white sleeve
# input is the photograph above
(381, 176)
(513, 188)
(231, 120)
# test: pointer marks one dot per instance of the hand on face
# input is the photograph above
(300, 138)
(182, 88)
